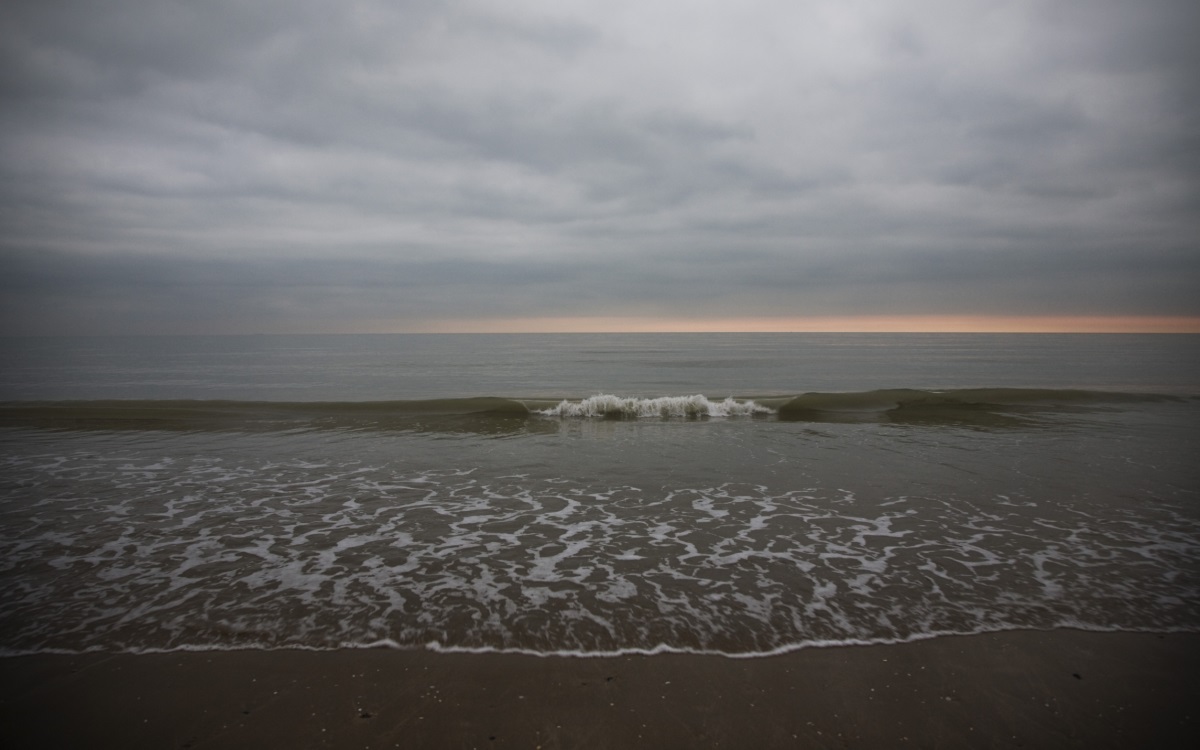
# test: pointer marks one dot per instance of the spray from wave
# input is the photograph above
(688, 407)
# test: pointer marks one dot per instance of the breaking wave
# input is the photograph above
(689, 407)
(983, 406)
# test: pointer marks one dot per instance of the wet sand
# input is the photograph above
(1021, 689)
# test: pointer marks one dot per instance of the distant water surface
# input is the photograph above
(387, 367)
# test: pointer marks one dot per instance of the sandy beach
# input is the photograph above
(1017, 689)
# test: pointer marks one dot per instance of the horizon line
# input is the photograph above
(814, 324)
(964, 324)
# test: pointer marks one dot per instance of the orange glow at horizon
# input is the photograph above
(832, 324)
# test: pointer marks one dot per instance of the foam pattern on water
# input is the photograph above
(125, 551)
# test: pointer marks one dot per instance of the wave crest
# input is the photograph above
(689, 407)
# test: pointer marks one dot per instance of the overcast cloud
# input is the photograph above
(337, 166)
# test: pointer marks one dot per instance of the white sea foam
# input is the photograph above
(229, 549)
(688, 407)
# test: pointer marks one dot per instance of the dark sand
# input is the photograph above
(1022, 689)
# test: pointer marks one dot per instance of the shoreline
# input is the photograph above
(1028, 689)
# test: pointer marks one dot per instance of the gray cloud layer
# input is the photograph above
(227, 166)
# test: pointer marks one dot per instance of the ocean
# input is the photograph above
(587, 494)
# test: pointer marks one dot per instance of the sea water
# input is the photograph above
(741, 494)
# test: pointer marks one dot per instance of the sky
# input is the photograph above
(182, 167)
